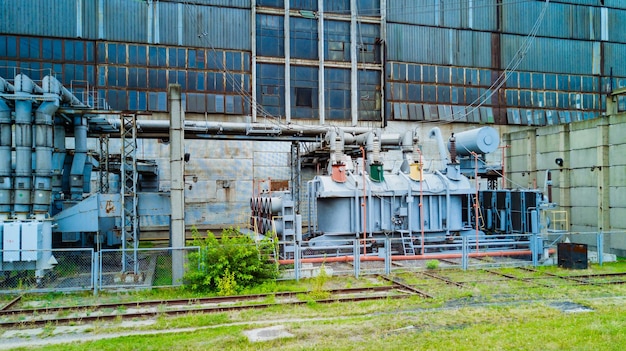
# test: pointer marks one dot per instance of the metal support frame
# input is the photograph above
(104, 164)
(295, 175)
(130, 222)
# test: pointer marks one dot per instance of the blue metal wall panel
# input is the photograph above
(619, 4)
(481, 15)
(550, 55)
(615, 25)
(126, 21)
(217, 27)
(225, 3)
(561, 20)
(613, 54)
(90, 19)
(442, 46)
(169, 21)
(37, 17)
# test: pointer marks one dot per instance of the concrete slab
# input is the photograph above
(269, 333)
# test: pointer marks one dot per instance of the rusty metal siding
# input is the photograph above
(441, 46)
(37, 17)
(550, 55)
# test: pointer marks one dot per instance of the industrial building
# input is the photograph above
(280, 91)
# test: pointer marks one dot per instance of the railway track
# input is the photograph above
(11, 303)
(513, 277)
(584, 279)
(443, 279)
(12, 318)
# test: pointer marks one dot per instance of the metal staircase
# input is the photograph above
(407, 242)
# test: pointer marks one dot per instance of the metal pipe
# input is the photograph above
(23, 149)
(58, 158)
(42, 189)
(435, 133)
(413, 257)
(5, 159)
(214, 127)
(80, 158)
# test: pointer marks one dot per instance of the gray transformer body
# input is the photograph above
(391, 206)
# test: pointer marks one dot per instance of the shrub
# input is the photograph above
(432, 264)
(230, 263)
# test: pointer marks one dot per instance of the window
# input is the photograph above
(304, 97)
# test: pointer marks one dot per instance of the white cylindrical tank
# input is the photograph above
(481, 141)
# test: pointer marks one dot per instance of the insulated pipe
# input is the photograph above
(44, 143)
(407, 146)
(435, 133)
(80, 158)
(58, 159)
(51, 85)
(22, 185)
(6, 86)
(5, 159)
(214, 127)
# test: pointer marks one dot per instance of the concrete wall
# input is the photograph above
(591, 183)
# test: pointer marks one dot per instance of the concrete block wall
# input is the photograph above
(591, 183)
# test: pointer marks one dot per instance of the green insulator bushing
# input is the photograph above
(376, 172)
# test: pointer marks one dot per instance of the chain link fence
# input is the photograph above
(143, 268)
(111, 269)
(60, 270)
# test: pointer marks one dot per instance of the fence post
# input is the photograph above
(357, 257)
(534, 248)
(95, 270)
(600, 245)
(387, 256)
(296, 261)
(464, 253)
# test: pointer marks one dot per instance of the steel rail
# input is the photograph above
(11, 303)
(214, 309)
(443, 279)
(186, 302)
(407, 287)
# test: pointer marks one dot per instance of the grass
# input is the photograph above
(489, 313)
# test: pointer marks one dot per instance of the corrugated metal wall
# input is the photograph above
(551, 55)
(442, 46)
(561, 20)
(125, 21)
(34, 17)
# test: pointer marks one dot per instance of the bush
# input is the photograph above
(229, 264)
(432, 264)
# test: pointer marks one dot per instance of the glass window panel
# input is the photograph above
(101, 52)
(214, 60)
(229, 104)
(46, 49)
(24, 48)
(112, 52)
(89, 51)
(11, 47)
(141, 55)
(142, 78)
(219, 103)
(143, 101)
(132, 100)
(162, 105)
(192, 58)
(121, 76)
(79, 51)
(132, 77)
(132, 54)
(90, 75)
(153, 57)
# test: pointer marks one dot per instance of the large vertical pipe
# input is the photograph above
(58, 159)
(43, 158)
(287, 63)
(5, 160)
(23, 146)
(354, 71)
(80, 158)
(320, 52)
(177, 194)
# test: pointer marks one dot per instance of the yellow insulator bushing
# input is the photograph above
(415, 172)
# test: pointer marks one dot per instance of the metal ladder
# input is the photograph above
(407, 242)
